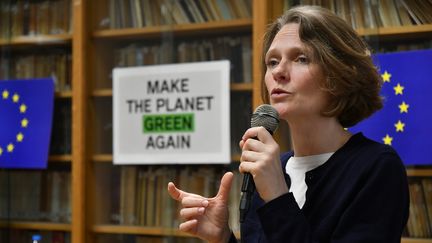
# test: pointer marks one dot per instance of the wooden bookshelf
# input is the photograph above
(108, 158)
(92, 54)
(399, 32)
(138, 230)
(63, 94)
(419, 171)
(102, 158)
(415, 240)
(177, 30)
(60, 39)
(60, 158)
(262, 13)
(44, 226)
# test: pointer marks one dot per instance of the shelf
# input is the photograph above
(109, 158)
(413, 31)
(63, 94)
(60, 158)
(35, 226)
(415, 240)
(419, 171)
(137, 230)
(176, 30)
(102, 158)
(102, 93)
(158, 231)
(235, 87)
(241, 87)
(62, 39)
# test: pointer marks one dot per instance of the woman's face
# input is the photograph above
(293, 77)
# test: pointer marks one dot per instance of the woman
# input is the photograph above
(334, 186)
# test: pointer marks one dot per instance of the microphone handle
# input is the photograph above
(247, 189)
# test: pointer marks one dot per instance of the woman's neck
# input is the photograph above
(323, 136)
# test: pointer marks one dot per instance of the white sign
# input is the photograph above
(176, 113)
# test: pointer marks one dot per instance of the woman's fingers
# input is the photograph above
(252, 145)
(174, 192)
(189, 226)
(194, 201)
(225, 186)
(178, 194)
(259, 133)
(191, 213)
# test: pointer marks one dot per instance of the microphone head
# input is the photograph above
(265, 116)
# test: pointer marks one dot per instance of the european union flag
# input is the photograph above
(405, 122)
(26, 108)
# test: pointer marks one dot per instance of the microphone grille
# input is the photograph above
(265, 116)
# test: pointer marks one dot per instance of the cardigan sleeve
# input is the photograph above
(377, 213)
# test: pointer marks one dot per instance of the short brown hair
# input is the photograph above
(352, 81)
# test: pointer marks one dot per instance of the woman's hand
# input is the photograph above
(260, 158)
(206, 218)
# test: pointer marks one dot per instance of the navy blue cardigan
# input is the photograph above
(359, 195)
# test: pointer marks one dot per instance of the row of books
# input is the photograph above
(142, 197)
(61, 131)
(30, 17)
(39, 65)
(103, 126)
(420, 221)
(241, 114)
(139, 196)
(142, 13)
(236, 49)
(18, 236)
(35, 195)
(375, 13)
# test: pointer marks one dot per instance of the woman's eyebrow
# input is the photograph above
(291, 50)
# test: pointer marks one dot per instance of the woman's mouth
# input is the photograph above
(279, 93)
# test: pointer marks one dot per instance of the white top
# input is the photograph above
(297, 167)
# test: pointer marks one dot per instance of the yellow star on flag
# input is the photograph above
(403, 107)
(399, 126)
(10, 148)
(387, 139)
(24, 122)
(15, 98)
(5, 94)
(386, 77)
(398, 89)
(20, 137)
(1, 151)
(23, 108)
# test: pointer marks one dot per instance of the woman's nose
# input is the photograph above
(280, 72)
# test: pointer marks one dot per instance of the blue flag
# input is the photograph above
(405, 122)
(26, 108)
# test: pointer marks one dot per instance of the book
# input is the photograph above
(418, 224)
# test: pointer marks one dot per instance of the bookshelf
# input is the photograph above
(29, 48)
(92, 43)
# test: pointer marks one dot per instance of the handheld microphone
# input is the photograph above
(264, 116)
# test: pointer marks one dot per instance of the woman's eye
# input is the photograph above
(303, 59)
(272, 63)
